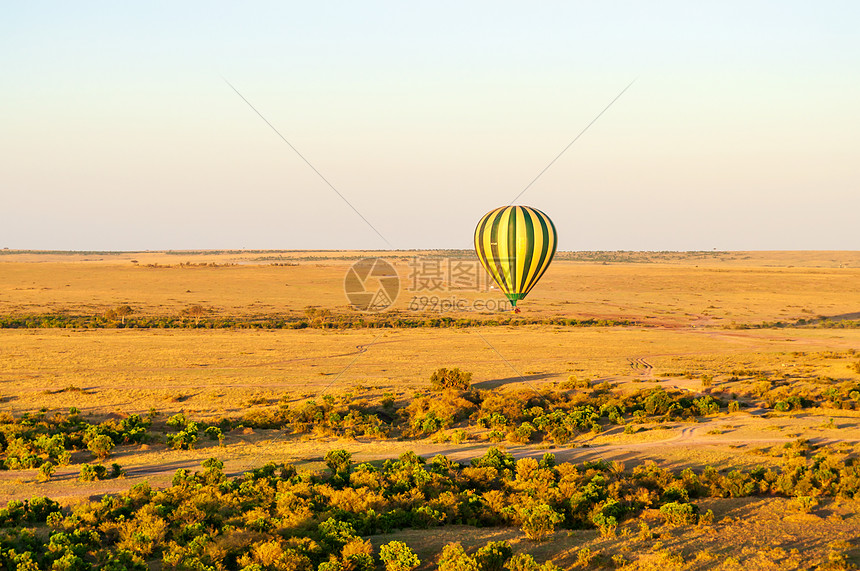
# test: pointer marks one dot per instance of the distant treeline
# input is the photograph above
(8, 252)
(607, 257)
(636, 257)
(347, 321)
(820, 323)
(168, 252)
(617, 256)
(62, 321)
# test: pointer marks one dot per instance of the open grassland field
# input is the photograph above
(700, 289)
(707, 417)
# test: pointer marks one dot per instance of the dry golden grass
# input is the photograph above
(214, 373)
(677, 290)
(684, 301)
(211, 374)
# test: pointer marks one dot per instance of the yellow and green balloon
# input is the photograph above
(515, 245)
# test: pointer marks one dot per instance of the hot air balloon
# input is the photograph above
(515, 245)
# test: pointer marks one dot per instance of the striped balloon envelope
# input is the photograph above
(515, 245)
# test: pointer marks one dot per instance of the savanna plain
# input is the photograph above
(231, 410)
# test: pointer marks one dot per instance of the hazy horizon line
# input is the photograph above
(9, 251)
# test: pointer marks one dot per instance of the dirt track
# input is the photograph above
(678, 445)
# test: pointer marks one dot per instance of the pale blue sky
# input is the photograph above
(117, 130)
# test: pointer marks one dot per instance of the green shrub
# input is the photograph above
(606, 524)
(804, 503)
(215, 433)
(335, 534)
(397, 556)
(340, 464)
(443, 379)
(539, 520)
(186, 438)
(177, 421)
(46, 471)
(100, 446)
(676, 513)
(525, 562)
(91, 472)
(454, 558)
(523, 433)
(494, 555)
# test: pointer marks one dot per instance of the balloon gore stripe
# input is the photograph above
(515, 245)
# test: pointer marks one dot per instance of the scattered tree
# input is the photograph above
(340, 464)
(100, 445)
(195, 311)
(123, 311)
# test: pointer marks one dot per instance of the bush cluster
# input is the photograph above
(277, 518)
(193, 318)
(516, 416)
(41, 441)
(37, 440)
